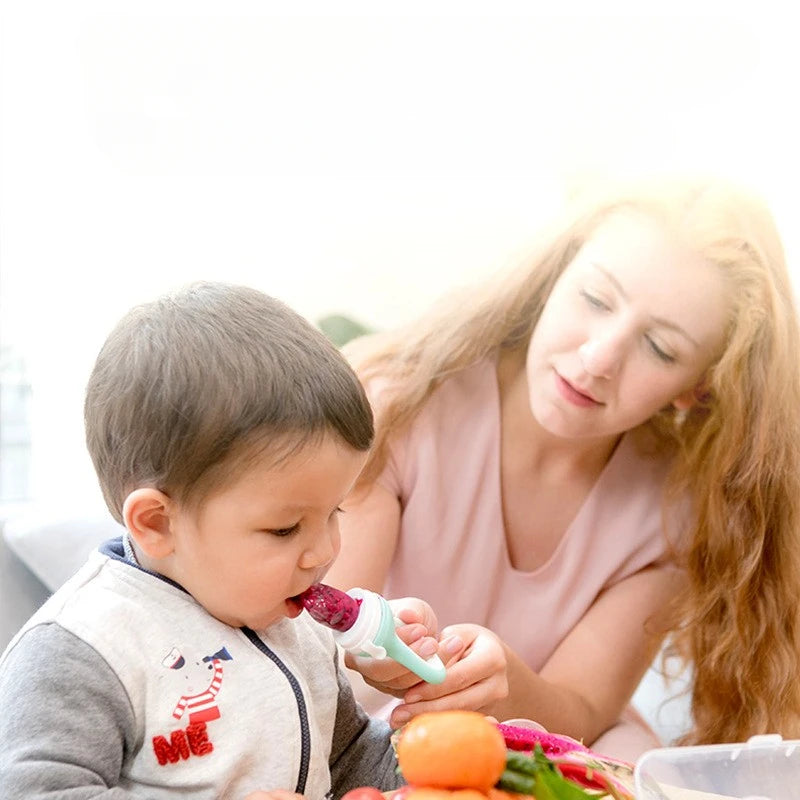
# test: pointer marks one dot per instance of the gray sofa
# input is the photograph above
(21, 592)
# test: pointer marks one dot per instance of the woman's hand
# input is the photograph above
(418, 631)
(477, 676)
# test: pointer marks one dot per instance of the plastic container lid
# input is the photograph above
(764, 768)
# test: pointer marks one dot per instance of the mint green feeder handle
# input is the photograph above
(431, 670)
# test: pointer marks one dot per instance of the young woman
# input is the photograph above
(592, 452)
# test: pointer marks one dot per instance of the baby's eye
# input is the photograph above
(284, 531)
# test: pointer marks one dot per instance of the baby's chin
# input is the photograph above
(291, 608)
(256, 623)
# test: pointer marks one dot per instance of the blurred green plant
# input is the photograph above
(340, 329)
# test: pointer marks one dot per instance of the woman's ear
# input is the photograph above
(146, 513)
(691, 397)
(683, 402)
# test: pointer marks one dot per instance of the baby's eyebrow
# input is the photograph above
(666, 323)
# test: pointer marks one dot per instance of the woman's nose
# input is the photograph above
(600, 356)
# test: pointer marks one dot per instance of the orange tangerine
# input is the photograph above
(467, 794)
(427, 793)
(502, 794)
(451, 750)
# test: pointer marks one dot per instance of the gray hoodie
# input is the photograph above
(123, 686)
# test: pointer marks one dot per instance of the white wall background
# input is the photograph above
(342, 156)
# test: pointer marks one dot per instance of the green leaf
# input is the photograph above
(513, 781)
(552, 785)
(539, 776)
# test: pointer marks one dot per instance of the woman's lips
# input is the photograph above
(573, 395)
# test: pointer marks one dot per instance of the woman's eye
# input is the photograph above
(659, 352)
(594, 301)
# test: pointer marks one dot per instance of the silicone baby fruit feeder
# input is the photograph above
(363, 624)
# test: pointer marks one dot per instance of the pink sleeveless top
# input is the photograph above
(452, 551)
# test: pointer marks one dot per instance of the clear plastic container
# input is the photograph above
(763, 768)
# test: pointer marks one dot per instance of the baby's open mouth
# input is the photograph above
(295, 605)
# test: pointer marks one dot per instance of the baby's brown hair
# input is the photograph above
(186, 388)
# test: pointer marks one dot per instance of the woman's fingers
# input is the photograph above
(417, 628)
(476, 675)
(387, 675)
(473, 697)
(451, 649)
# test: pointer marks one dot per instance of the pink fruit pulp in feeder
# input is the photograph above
(330, 606)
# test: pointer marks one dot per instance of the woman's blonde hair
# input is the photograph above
(737, 451)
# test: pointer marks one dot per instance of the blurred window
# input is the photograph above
(15, 429)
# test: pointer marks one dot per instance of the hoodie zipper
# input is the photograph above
(305, 735)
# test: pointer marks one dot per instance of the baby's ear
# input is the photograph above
(146, 513)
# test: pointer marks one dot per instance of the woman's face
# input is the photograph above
(631, 326)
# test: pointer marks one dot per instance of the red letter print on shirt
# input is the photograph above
(193, 741)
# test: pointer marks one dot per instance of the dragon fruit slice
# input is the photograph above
(591, 771)
(330, 606)
(572, 760)
(527, 739)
